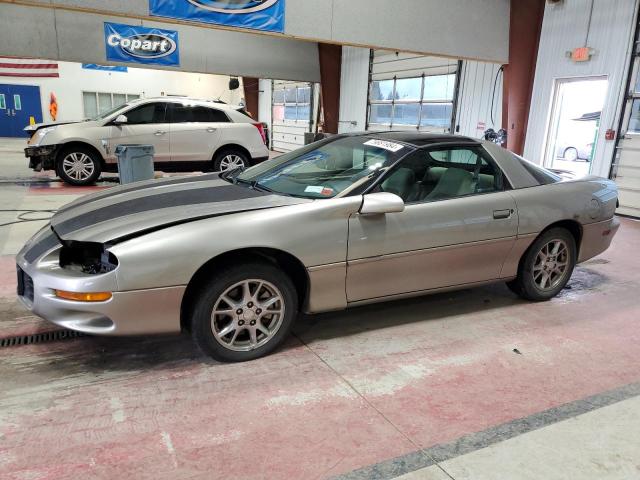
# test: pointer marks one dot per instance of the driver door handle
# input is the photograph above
(211, 129)
(159, 133)
(501, 214)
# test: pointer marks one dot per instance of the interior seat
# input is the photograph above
(402, 182)
(454, 182)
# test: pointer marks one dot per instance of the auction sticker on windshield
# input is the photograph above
(392, 147)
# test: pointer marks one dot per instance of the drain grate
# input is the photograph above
(53, 336)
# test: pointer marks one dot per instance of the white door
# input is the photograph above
(195, 132)
(146, 125)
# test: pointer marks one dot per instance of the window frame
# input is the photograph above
(420, 102)
(297, 104)
(137, 106)
(128, 97)
(171, 106)
(504, 181)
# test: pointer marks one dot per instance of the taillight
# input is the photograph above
(263, 134)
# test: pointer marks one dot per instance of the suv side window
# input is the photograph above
(431, 175)
(148, 113)
(195, 113)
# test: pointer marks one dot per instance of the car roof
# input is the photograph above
(421, 139)
(197, 101)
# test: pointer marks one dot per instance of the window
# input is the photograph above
(148, 113)
(96, 103)
(292, 103)
(424, 102)
(181, 113)
(323, 169)
(17, 102)
(426, 176)
(3, 102)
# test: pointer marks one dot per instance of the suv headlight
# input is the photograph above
(40, 134)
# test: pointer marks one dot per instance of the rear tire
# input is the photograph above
(244, 312)
(78, 166)
(230, 159)
(546, 266)
(570, 154)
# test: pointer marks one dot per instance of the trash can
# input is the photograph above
(135, 162)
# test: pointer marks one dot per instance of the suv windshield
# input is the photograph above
(324, 169)
(103, 115)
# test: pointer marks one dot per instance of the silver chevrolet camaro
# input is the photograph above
(233, 258)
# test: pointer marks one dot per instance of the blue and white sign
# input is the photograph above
(266, 15)
(106, 68)
(135, 44)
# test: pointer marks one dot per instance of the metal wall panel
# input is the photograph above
(67, 35)
(454, 28)
(353, 89)
(477, 81)
(565, 28)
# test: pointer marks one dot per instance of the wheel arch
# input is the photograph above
(232, 147)
(574, 227)
(287, 262)
(78, 143)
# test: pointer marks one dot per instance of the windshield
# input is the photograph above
(103, 115)
(324, 169)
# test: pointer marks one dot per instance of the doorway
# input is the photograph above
(572, 136)
(18, 104)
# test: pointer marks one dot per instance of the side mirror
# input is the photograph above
(120, 119)
(381, 203)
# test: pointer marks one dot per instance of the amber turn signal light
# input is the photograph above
(83, 297)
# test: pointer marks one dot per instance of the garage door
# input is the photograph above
(626, 166)
(412, 92)
(292, 114)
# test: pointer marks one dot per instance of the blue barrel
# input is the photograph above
(135, 162)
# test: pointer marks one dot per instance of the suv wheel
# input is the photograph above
(230, 160)
(244, 312)
(546, 267)
(78, 166)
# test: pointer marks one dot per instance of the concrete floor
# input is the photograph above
(476, 384)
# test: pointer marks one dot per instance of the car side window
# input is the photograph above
(431, 175)
(195, 113)
(148, 113)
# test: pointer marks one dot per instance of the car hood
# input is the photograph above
(37, 126)
(124, 212)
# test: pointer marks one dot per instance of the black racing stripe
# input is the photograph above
(46, 243)
(196, 196)
(134, 188)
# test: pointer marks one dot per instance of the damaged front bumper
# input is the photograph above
(42, 157)
(133, 312)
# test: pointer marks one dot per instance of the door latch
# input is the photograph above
(501, 214)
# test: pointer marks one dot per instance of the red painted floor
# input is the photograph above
(351, 389)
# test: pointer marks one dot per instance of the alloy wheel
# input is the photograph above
(551, 264)
(247, 315)
(78, 166)
(231, 161)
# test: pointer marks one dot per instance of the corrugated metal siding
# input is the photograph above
(477, 80)
(354, 79)
(564, 28)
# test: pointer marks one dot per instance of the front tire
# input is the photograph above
(546, 266)
(244, 312)
(78, 166)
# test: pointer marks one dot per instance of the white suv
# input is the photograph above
(186, 134)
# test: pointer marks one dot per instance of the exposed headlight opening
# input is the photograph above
(87, 257)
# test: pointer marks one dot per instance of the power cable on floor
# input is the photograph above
(24, 212)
